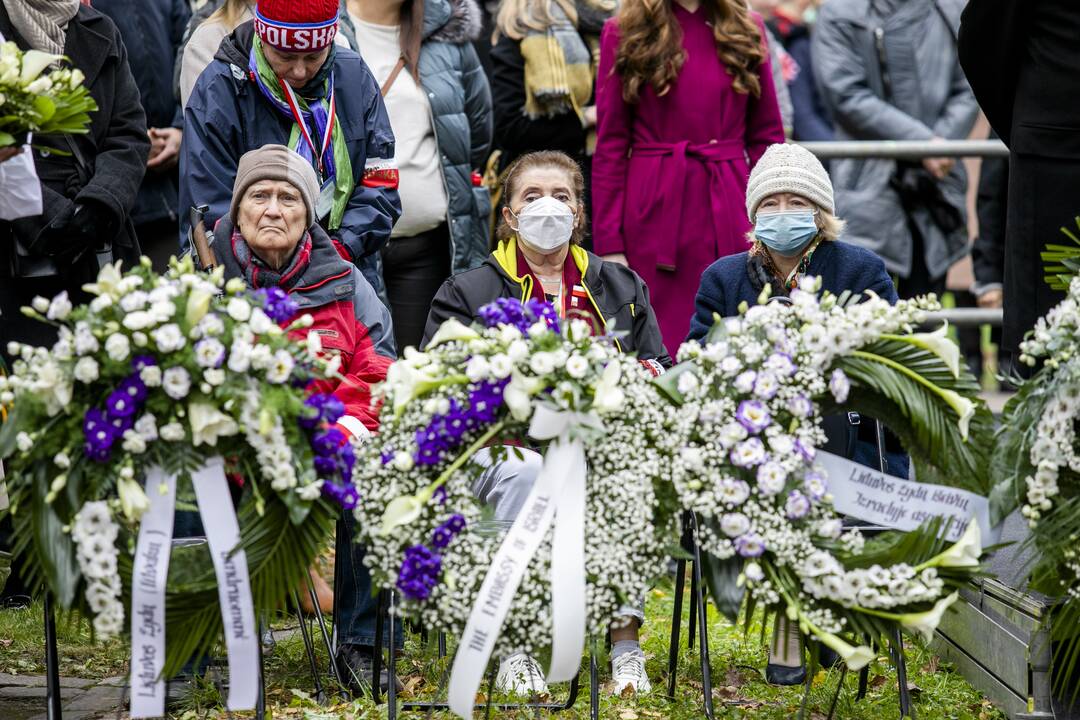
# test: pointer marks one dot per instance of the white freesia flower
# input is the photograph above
(477, 368)
(23, 442)
(61, 460)
(501, 366)
(133, 500)
(86, 370)
(176, 382)
(208, 424)
(60, 307)
(260, 322)
(133, 442)
(146, 427)
(172, 432)
(117, 347)
(314, 343)
(608, 396)
(518, 395)
(198, 304)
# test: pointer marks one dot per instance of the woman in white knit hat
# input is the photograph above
(789, 200)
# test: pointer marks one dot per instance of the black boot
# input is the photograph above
(356, 664)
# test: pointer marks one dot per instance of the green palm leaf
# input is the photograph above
(883, 387)
(1062, 262)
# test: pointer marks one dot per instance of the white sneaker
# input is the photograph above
(628, 670)
(521, 675)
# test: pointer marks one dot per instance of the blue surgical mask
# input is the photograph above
(786, 232)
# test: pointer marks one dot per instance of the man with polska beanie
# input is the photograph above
(280, 79)
(270, 237)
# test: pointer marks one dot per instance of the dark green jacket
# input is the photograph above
(615, 291)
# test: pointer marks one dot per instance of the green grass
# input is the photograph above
(737, 658)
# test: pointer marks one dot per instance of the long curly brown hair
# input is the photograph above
(651, 50)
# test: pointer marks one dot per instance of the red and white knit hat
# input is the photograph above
(297, 26)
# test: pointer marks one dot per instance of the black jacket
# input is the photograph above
(991, 204)
(1020, 58)
(152, 31)
(615, 290)
(114, 150)
(515, 132)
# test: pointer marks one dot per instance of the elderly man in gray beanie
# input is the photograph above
(789, 200)
(271, 239)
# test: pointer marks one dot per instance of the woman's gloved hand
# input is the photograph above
(77, 228)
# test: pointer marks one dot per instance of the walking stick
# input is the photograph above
(200, 239)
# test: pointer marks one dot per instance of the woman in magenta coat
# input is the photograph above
(685, 107)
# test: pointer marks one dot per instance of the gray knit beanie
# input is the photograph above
(275, 162)
(789, 168)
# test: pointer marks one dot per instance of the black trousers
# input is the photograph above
(414, 268)
(1042, 200)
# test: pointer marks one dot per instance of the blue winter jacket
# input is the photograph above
(227, 116)
(841, 266)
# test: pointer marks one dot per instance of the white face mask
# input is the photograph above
(545, 224)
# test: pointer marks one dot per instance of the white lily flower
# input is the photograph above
(939, 343)
(925, 623)
(608, 396)
(964, 553)
(400, 511)
(34, 63)
(452, 330)
(856, 657)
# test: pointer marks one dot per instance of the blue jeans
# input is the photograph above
(357, 600)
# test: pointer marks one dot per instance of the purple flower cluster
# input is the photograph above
(447, 431)
(446, 532)
(277, 304)
(508, 311)
(334, 457)
(103, 429)
(753, 415)
(419, 572)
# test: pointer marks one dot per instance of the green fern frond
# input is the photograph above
(927, 426)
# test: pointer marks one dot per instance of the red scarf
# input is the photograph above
(575, 298)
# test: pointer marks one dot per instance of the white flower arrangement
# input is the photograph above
(146, 375)
(476, 387)
(751, 394)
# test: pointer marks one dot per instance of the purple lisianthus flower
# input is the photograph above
(441, 537)
(766, 386)
(839, 385)
(440, 496)
(209, 352)
(750, 545)
(277, 304)
(327, 442)
(797, 505)
(120, 405)
(134, 387)
(781, 364)
(326, 465)
(332, 409)
(142, 361)
(97, 454)
(387, 455)
(455, 522)
(744, 381)
(753, 415)
(541, 310)
(749, 453)
(350, 497)
(419, 572)
(808, 453)
(815, 485)
(120, 425)
(800, 406)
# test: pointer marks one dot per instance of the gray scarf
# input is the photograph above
(42, 23)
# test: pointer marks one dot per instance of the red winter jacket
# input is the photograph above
(350, 319)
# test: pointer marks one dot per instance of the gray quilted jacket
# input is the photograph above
(929, 97)
(460, 100)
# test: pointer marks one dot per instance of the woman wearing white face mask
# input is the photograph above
(539, 256)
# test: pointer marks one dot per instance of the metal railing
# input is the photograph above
(906, 149)
(966, 317)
